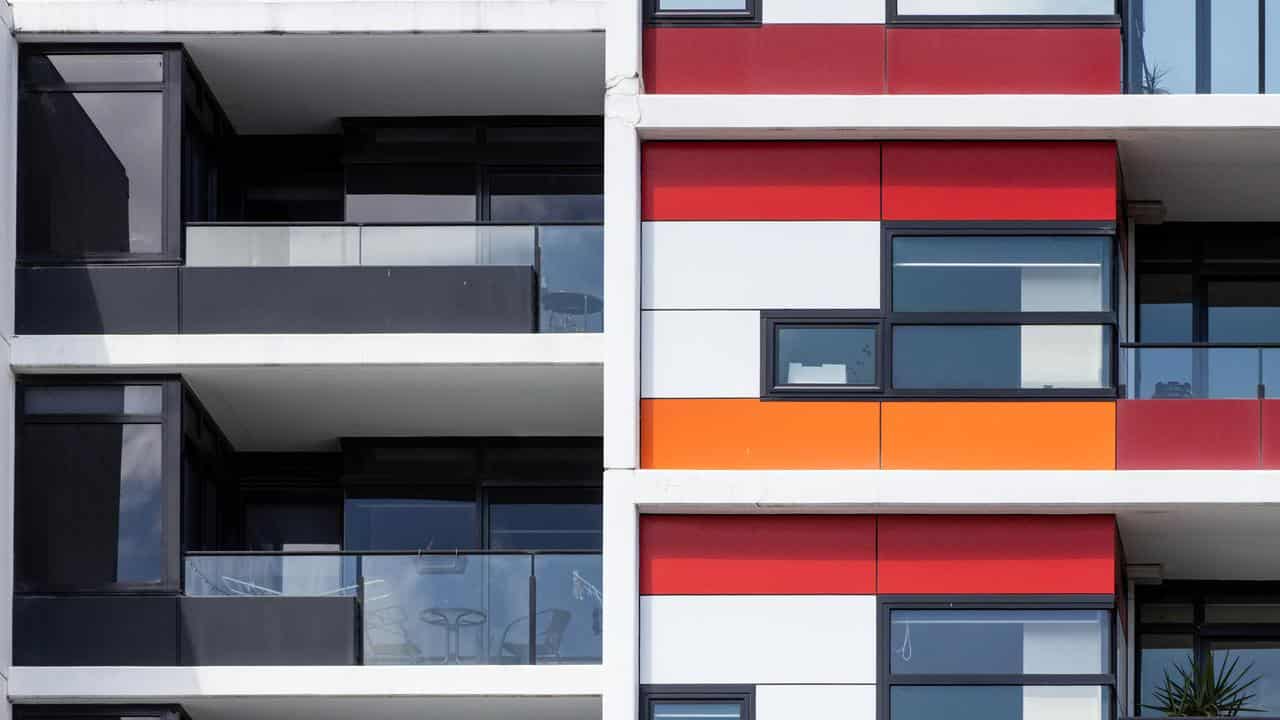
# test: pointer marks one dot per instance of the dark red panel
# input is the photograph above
(993, 555)
(1000, 181)
(1187, 434)
(757, 555)
(1003, 60)
(768, 59)
(1270, 434)
(761, 181)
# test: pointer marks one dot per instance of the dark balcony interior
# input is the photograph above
(1208, 325)
(145, 538)
(437, 223)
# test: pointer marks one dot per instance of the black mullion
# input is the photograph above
(1262, 46)
(1204, 20)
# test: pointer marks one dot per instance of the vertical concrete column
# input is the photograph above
(8, 251)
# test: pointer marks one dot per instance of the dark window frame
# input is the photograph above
(170, 421)
(751, 17)
(885, 678)
(170, 89)
(1106, 319)
(743, 694)
(773, 320)
(893, 17)
(1196, 593)
(92, 712)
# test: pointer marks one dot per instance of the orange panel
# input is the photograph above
(999, 435)
(753, 434)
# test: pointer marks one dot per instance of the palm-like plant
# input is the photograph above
(1201, 691)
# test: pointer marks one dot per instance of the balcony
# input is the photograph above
(466, 608)
(1199, 406)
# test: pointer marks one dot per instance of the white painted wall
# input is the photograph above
(621, 284)
(761, 265)
(758, 639)
(823, 11)
(700, 354)
(799, 702)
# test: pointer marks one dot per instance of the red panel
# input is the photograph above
(761, 181)
(1187, 434)
(1004, 60)
(769, 59)
(974, 555)
(1000, 181)
(1270, 434)
(757, 555)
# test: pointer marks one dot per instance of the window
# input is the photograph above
(713, 702)
(98, 145)
(445, 519)
(544, 519)
(1203, 46)
(808, 355)
(1005, 10)
(1182, 621)
(704, 12)
(410, 193)
(1016, 311)
(95, 508)
(529, 197)
(1030, 660)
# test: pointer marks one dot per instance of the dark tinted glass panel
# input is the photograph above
(546, 197)
(90, 176)
(280, 524)
(545, 519)
(558, 135)
(410, 193)
(825, 355)
(89, 506)
(1246, 311)
(978, 702)
(1241, 611)
(704, 5)
(1167, 613)
(1163, 43)
(1000, 642)
(1233, 59)
(94, 400)
(76, 68)
(444, 523)
(1001, 357)
(697, 711)
(1165, 312)
(1001, 274)
(571, 272)
(1160, 654)
(1262, 657)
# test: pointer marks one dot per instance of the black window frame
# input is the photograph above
(886, 679)
(170, 90)
(893, 17)
(773, 320)
(719, 694)
(170, 421)
(751, 17)
(1107, 319)
(96, 712)
(1197, 593)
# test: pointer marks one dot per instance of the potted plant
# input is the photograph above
(1202, 691)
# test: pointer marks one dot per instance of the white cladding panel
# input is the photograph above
(760, 265)
(831, 702)
(700, 354)
(779, 639)
(824, 11)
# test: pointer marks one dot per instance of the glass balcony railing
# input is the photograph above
(568, 259)
(492, 608)
(1201, 371)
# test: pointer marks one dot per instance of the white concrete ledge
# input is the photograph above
(160, 17)
(841, 491)
(946, 116)
(175, 353)
(154, 684)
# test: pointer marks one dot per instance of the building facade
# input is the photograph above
(603, 360)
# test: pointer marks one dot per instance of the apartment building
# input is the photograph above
(618, 359)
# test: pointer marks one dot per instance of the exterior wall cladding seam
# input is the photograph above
(866, 59)
(729, 186)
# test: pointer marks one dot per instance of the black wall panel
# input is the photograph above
(476, 299)
(95, 630)
(269, 631)
(93, 300)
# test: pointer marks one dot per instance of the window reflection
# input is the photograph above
(446, 522)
